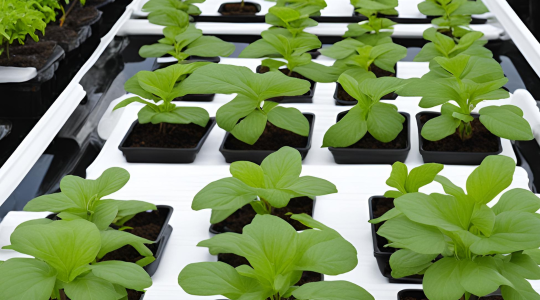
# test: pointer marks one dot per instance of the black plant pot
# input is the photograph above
(372, 156)
(341, 102)
(451, 158)
(419, 294)
(161, 244)
(382, 254)
(306, 98)
(257, 156)
(234, 18)
(31, 99)
(163, 155)
(167, 211)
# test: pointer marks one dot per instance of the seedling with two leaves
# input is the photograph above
(453, 16)
(272, 184)
(280, 43)
(65, 264)
(294, 20)
(372, 32)
(187, 6)
(406, 183)
(352, 54)
(443, 46)
(162, 87)
(277, 255)
(381, 120)
(246, 116)
(482, 248)
(467, 81)
(185, 42)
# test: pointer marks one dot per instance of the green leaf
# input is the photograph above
(125, 274)
(489, 179)
(290, 119)
(282, 166)
(67, 246)
(90, 287)
(155, 50)
(442, 280)
(523, 264)
(251, 127)
(503, 122)
(521, 288)
(342, 49)
(481, 278)
(174, 17)
(226, 193)
(439, 127)
(318, 72)
(349, 130)
(228, 115)
(379, 87)
(26, 278)
(517, 200)
(384, 122)
(312, 186)
(513, 231)
(210, 46)
(483, 219)
(419, 238)
(215, 278)
(398, 177)
(112, 240)
(331, 290)
(352, 86)
(421, 176)
(405, 262)
(250, 173)
(104, 215)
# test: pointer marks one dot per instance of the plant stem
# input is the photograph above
(63, 295)
(465, 130)
(267, 206)
(63, 18)
(242, 5)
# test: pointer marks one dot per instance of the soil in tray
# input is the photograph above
(81, 16)
(147, 224)
(244, 216)
(175, 136)
(380, 206)
(235, 261)
(132, 295)
(285, 71)
(481, 141)
(369, 142)
(237, 9)
(31, 54)
(273, 138)
(62, 35)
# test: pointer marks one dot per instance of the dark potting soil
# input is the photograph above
(482, 140)
(235, 261)
(369, 142)
(237, 9)
(62, 35)
(174, 135)
(380, 72)
(132, 295)
(244, 216)
(128, 253)
(285, 71)
(446, 32)
(380, 206)
(31, 54)
(147, 224)
(81, 16)
(273, 138)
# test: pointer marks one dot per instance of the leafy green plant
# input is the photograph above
(315, 5)
(482, 248)
(162, 87)
(384, 7)
(278, 255)
(246, 116)
(353, 54)
(406, 183)
(64, 264)
(187, 6)
(169, 17)
(272, 184)
(280, 43)
(452, 15)
(381, 120)
(85, 199)
(294, 20)
(18, 19)
(443, 46)
(181, 43)
(48, 8)
(372, 32)
(467, 81)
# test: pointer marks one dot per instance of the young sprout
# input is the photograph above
(483, 248)
(444, 46)
(294, 20)
(272, 184)
(372, 32)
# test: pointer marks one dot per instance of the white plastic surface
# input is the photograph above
(24, 157)
(15, 74)
(144, 27)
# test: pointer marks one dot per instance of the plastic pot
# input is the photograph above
(451, 158)
(253, 18)
(257, 156)
(163, 155)
(372, 156)
(161, 244)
